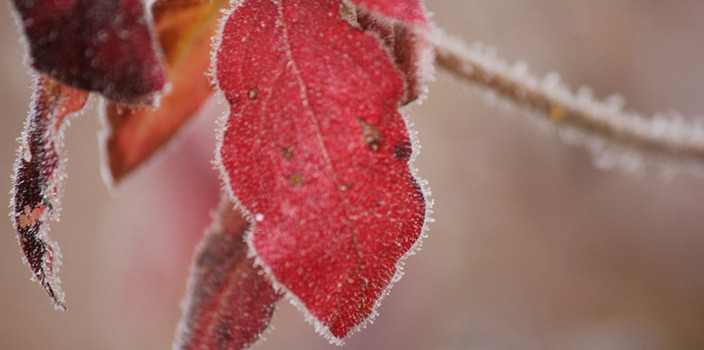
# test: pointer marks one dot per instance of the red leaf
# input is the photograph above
(98, 45)
(410, 11)
(229, 301)
(37, 178)
(316, 150)
(135, 134)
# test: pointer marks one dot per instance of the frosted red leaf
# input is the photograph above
(229, 302)
(184, 29)
(317, 153)
(98, 45)
(38, 176)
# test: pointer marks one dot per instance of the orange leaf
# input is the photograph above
(184, 28)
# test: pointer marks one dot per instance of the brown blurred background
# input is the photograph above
(532, 248)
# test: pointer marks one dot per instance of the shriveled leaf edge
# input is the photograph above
(425, 65)
(50, 215)
(321, 329)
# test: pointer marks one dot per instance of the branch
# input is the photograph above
(605, 124)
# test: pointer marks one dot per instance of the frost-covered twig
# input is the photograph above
(605, 124)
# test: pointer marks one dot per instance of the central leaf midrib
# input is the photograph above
(321, 140)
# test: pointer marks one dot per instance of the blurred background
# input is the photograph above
(532, 248)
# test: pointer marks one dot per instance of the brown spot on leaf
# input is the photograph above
(371, 136)
(403, 150)
(287, 153)
(30, 216)
(347, 185)
(418, 190)
(295, 179)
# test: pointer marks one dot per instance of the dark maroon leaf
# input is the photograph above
(38, 178)
(97, 45)
(229, 301)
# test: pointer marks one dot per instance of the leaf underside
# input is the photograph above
(229, 302)
(316, 151)
(184, 29)
(38, 176)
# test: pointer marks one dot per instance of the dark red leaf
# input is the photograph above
(229, 301)
(184, 29)
(317, 152)
(98, 45)
(38, 176)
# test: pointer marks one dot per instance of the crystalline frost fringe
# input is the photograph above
(614, 136)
